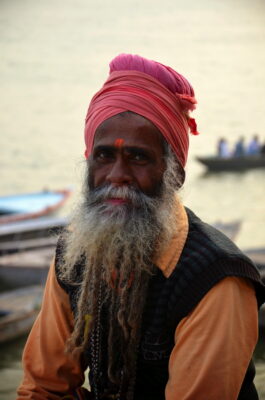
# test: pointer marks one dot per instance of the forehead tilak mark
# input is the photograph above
(119, 142)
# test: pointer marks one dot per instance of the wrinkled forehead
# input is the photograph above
(129, 128)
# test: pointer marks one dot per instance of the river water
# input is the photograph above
(54, 56)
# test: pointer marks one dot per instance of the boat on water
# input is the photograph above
(237, 164)
(29, 234)
(230, 229)
(21, 207)
(18, 311)
(43, 232)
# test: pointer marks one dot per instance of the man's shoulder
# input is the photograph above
(208, 236)
(211, 254)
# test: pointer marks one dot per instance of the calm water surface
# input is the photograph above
(54, 56)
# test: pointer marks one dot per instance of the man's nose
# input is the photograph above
(119, 173)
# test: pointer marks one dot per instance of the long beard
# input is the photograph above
(119, 244)
(126, 235)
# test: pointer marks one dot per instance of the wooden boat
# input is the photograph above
(24, 268)
(220, 164)
(18, 311)
(26, 250)
(30, 234)
(230, 229)
(31, 205)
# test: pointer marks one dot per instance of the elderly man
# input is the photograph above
(152, 301)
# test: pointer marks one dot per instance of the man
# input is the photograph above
(240, 150)
(157, 304)
(222, 148)
(254, 146)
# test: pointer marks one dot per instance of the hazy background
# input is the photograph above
(54, 55)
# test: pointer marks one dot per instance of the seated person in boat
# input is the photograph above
(144, 297)
(239, 148)
(222, 148)
(254, 146)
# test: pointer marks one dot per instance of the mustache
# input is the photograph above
(133, 195)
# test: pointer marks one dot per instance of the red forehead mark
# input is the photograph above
(119, 143)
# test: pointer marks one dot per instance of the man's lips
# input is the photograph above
(116, 201)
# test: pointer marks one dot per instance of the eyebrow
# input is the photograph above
(126, 148)
(129, 149)
(103, 147)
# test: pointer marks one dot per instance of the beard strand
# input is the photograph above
(129, 234)
(119, 244)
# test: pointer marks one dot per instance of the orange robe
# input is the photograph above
(213, 344)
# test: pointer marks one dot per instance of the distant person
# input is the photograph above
(222, 148)
(152, 301)
(254, 146)
(239, 148)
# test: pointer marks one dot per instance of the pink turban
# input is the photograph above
(150, 89)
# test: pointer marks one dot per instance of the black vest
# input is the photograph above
(208, 257)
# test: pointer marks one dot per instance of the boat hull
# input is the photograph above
(219, 164)
(32, 205)
(19, 309)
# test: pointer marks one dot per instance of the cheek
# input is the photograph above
(93, 176)
(156, 172)
(150, 182)
(91, 180)
(95, 179)
(98, 174)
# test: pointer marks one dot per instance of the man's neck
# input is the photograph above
(172, 249)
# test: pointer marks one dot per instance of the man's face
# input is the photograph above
(128, 151)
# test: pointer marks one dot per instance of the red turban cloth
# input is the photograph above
(150, 89)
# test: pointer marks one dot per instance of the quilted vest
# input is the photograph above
(207, 257)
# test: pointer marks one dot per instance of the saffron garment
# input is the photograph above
(213, 344)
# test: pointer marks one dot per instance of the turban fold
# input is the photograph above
(141, 93)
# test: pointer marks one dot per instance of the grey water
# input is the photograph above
(55, 55)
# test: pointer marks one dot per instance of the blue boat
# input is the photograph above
(31, 205)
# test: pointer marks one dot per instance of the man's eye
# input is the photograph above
(103, 155)
(140, 158)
